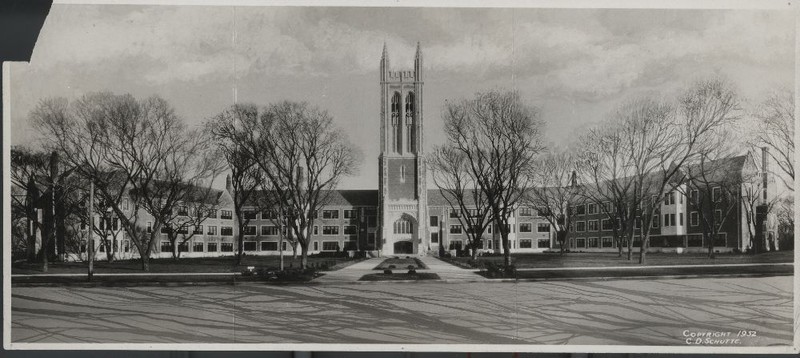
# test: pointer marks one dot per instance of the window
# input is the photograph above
(717, 216)
(330, 230)
(212, 213)
(607, 242)
(226, 247)
(316, 230)
(183, 229)
(250, 230)
(715, 194)
(454, 213)
(525, 227)
(591, 208)
(655, 221)
(165, 229)
(197, 247)
(666, 220)
(166, 246)
(183, 210)
(543, 243)
(316, 245)
(694, 219)
(607, 207)
(594, 242)
(681, 219)
(249, 214)
(607, 225)
(638, 223)
(125, 204)
(350, 214)
(456, 245)
(330, 246)
(721, 239)
(126, 246)
(268, 215)
(211, 247)
(149, 227)
(580, 210)
(198, 230)
(434, 221)
(580, 226)
(183, 247)
(525, 244)
(249, 246)
(226, 231)
(434, 237)
(525, 211)
(330, 214)
(543, 227)
(402, 173)
(371, 238)
(455, 229)
(269, 246)
(402, 226)
(693, 196)
(695, 240)
(580, 242)
(350, 230)
(269, 230)
(654, 198)
(212, 230)
(593, 225)
(226, 214)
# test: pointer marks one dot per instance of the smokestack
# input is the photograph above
(299, 176)
(764, 173)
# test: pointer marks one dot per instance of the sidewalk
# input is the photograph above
(449, 272)
(350, 273)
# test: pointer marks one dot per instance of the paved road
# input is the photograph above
(633, 312)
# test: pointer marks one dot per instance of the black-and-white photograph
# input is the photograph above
(385, 177)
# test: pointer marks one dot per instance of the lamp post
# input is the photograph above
(90, 241)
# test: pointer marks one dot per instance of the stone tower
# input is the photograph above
(402, 185)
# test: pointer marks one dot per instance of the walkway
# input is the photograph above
(449, 272)
(351, 273)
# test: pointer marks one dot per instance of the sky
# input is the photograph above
(575, 65)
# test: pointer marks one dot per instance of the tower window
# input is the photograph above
(402, 173)
(402, 226)
(397, 128)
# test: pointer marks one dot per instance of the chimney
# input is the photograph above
(228, 184)
(574, 179)
(299, 176)
(764, 173)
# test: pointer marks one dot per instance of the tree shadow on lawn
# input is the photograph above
(615, 312)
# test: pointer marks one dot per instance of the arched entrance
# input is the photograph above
(404, 247)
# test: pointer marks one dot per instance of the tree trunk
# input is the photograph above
(711, 247)
(303, 256)
(506, 252)
(44, 258)
(643, 250)
(145, 263)
(240, 246)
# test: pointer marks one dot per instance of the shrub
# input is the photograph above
(411, 267)
(387, 272)
(392, 266)
(412, 271)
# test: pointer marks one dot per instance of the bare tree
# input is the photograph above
(776, 132)
(713, 181)
(499, 136)
(554, 187)
(302, 155)
(451, 174)
(132, 148)
(245, 178)
(186, 220)
(607, 168)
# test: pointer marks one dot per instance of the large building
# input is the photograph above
(404, 217)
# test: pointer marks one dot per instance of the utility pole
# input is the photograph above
(90, 241)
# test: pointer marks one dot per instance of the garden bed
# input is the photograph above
(401, 263)
(420, 276)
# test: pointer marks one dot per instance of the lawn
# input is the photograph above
(194, 265)
(556, 273)
(399, 277)
(555, 260)
(400, 263)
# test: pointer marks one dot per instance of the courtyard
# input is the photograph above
(623, 312)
